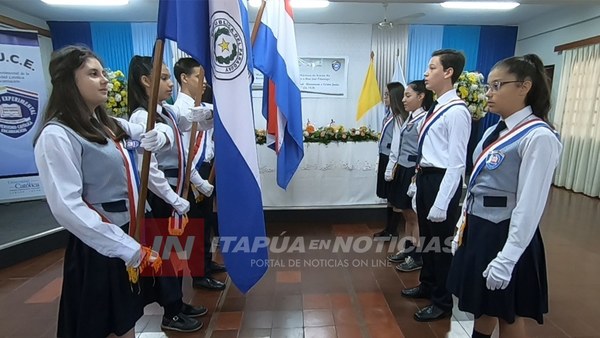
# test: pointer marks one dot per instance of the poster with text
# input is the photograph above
(22, 100)
(319, 77)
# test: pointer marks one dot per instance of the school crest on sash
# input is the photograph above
(132, 144)
(494, 159)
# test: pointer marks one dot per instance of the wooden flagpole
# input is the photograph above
(191, 154)
(155, 79)
(257, 21)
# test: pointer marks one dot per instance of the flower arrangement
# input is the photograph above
(327, 134)
(116, 104)
(470, 88)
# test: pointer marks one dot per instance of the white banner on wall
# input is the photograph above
(22, 101)
(319, 77)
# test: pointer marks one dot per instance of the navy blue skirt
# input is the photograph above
(383, 187)
(97, 298)
(399, 186)
(527, 292)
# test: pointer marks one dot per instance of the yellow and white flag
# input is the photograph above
(370, 96)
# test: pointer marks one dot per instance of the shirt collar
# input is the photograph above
(449, 95)
(417, 112)
(516, 118)
(188, 100)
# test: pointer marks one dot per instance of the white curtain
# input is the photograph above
(578, 120)
(389, 45)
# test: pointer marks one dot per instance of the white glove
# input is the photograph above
(136, 260)
(454, 245)
(181, 205)
(436, 214)
(153, 140)
(199, 114)
(205, 188)
(498, 273)
(412, 189)
(388, 175)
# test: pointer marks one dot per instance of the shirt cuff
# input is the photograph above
(512, 252)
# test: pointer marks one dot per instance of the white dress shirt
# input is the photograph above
(185, 102)
(59, 165)
(140, 116)
(445, 146)
(540, 152)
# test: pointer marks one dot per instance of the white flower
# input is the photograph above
(110, 86)
(118, 97)
(472, 108)
(474, 87)
(482, 97)
(357, 132)
(305, 134)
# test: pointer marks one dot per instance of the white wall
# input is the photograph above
(543, 33)
(350, 40)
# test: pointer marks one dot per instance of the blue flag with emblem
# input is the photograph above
(215, 32)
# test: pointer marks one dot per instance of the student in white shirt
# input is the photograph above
(499, 269)
(166, 289)
(393, 118)
(417, 100)
(187, 73)
(83, 170)
(443, 139)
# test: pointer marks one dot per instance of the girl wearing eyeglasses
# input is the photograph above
(499, 270)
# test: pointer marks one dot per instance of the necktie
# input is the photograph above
(495, 134)
(431, 109)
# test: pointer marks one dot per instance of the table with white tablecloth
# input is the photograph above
(330, 175)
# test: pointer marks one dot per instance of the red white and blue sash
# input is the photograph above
(389, 117)
(439, 111)
(177, 222)
(418, 117)
(127, 149)
(492, 156)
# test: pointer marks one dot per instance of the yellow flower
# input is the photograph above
(463, 92)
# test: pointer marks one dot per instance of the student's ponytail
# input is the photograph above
(531, 68)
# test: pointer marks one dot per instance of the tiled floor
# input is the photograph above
(323, 292)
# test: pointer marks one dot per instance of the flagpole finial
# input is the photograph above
(372, 55)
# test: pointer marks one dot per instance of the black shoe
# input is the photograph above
(384, 236)
(416, 292)
(431, 313)
(215, 267)
(181, 323)
(193, 311)
(208, 283)
(398, 257)
(410, 264)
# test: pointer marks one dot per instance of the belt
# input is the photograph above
(171, 172)
(431, 170)
(116, 206)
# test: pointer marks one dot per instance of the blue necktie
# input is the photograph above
(495, 134)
